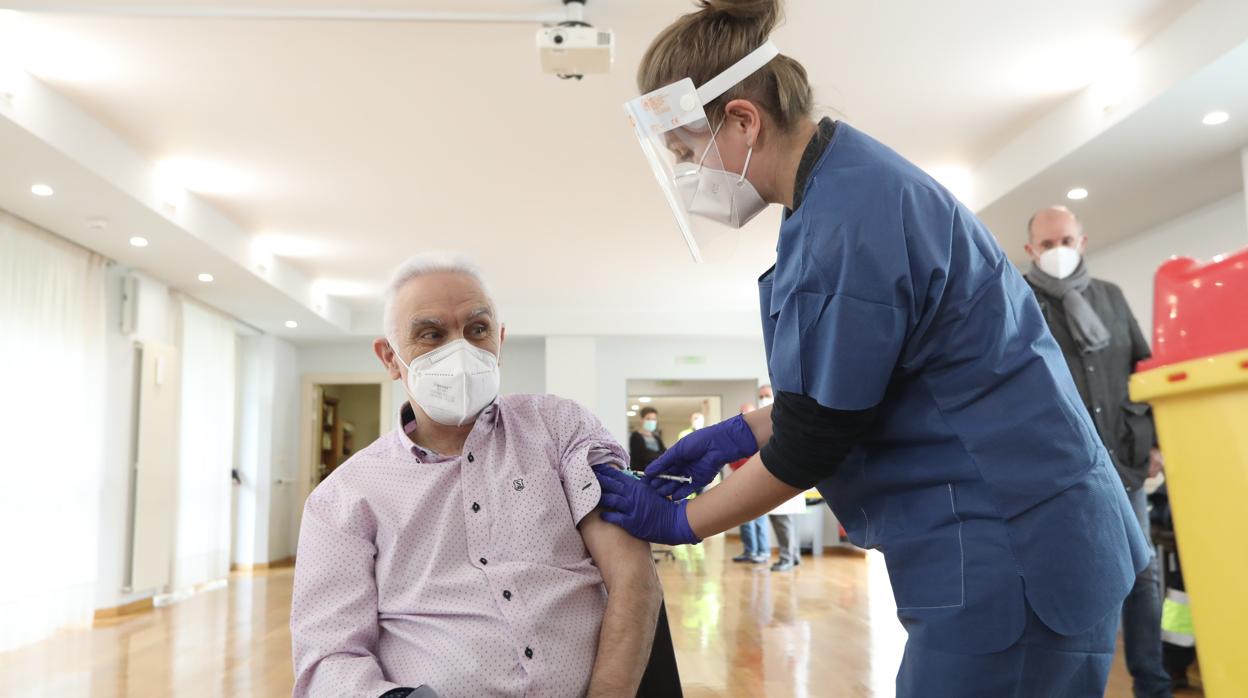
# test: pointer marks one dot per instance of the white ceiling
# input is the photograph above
(1156, 166)
(355, 144)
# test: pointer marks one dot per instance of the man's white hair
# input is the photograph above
(420, 265)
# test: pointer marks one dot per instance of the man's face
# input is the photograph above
(435, 309)
(764, 392)
(1052, 229)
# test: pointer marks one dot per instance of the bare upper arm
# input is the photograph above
(619, 556)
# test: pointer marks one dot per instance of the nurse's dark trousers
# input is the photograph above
(1042, 664)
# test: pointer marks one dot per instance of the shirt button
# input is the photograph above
(470, 458)
(1091, 369)
(485, 561)
(475, 507)
(507, 595)
(1098, 410)
(528, 652)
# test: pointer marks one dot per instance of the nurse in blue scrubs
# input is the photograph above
(916, 384)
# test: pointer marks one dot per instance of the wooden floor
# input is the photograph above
(826, 629)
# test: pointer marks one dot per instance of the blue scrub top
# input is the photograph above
(982, 481)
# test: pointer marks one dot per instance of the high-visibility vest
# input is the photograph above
(1176, 619)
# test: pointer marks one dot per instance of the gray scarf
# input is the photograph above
(1085, 325)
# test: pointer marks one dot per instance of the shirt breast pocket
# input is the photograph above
(537, 521)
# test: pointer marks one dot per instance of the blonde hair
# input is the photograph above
(701, 44)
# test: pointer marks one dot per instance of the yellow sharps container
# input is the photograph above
(1197, 383)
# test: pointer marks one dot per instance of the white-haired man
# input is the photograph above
(462, 554)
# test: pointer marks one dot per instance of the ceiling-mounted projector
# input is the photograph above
(573, 48)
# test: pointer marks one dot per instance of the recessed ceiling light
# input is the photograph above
(41, 190)
(138, 241)
(631, 413)
(1215, 118)
(291, 324)
(206, 278)
(635, 407)
(643, 400)
(1077, 194)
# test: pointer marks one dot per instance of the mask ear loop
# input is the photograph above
(748, 154)
(707, 151)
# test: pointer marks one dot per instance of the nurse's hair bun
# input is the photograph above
(763, 12)
(702, 44)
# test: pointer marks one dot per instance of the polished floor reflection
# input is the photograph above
(825, 629)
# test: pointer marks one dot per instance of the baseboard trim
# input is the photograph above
(129, 609)
(263, 566)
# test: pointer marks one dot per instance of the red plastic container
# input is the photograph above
(1199, 309)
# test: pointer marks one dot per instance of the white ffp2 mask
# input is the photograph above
(453, 383)
(1059, 262)
(720, 196)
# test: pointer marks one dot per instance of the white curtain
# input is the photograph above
(51, 419)
(207, 346)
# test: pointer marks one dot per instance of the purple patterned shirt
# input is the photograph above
(465, 573)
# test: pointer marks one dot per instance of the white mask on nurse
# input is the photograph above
(718, 195)
(454, 382)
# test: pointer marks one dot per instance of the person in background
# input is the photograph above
(696, 421)
(1178, 635)
(753, 533)
(1102, 343)
(764, 396)
(784, 520)
(645, 444)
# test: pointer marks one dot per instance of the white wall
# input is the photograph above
(283, 534)
(250, 523)
(1215, 229)
(524, 365)
(154, 324)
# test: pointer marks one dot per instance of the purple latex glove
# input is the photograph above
(701, 455)
(641, 511)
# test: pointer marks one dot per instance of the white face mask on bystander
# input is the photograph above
(1059, 262)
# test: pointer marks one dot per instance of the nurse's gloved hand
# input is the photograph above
(701, 455)
(641, 511)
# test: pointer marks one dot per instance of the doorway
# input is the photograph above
(340, 414)
(677, 400)
(349, 419)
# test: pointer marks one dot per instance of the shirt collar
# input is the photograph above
(407, 422)
(810, 157)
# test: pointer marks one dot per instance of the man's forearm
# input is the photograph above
(626, 636)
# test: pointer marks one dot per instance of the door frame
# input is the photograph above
(310, 423)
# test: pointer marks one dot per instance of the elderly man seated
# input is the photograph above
(462, 554)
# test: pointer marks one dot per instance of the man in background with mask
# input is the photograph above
(697, 420)
(462, 554)
(1102, 343)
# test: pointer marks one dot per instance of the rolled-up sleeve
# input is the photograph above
(333, 618)
(809, 441)
(584, 443)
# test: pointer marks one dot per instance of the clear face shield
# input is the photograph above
(710, 203)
